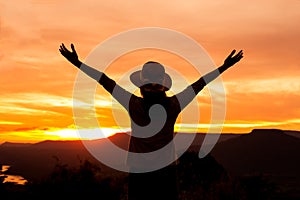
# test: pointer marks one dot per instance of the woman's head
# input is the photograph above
(152, 78)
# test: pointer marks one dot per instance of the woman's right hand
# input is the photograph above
(70, 55)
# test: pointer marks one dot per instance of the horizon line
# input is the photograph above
(125, 132)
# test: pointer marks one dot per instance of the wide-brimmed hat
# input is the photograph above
(152, 72)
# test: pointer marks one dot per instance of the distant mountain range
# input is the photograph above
(266, 151)
(270, 152)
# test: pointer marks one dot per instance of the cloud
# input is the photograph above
(28, 101)
(10, 123)
(272, 85)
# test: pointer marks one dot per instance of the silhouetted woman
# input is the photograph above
(151, 129)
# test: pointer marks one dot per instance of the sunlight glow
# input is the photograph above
(232, 126)
(85, 134)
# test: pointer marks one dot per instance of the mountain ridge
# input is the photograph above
(293, 133)
(34, 161)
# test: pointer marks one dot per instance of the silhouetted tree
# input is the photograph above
(259, 187)
(86, 181)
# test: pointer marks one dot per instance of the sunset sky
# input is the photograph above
(262, 90)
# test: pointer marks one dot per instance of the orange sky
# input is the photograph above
(262, 91)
